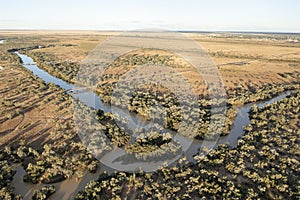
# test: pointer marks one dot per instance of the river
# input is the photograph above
(68, 188)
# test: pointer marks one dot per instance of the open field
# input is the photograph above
(240, 59)
(38, 133)
(30, 108)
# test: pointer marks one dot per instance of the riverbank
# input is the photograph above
(255, 168)
(240, 122)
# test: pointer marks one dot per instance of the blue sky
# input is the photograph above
(238, 15)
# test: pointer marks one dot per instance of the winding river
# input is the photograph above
(67, 189)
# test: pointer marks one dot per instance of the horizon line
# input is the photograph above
(179, 30)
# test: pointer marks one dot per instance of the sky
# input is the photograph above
(198, 15)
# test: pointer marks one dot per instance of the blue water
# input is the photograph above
(87, 97)
(242, 119)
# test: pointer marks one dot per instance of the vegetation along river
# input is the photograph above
(68, 188)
